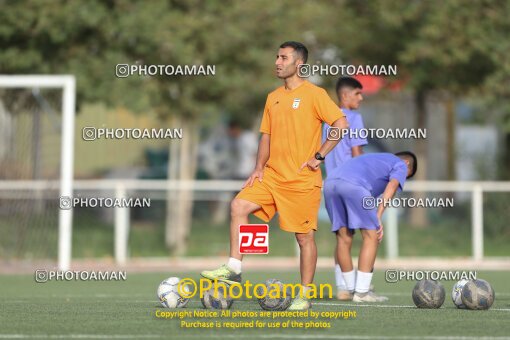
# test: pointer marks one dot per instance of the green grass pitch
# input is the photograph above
(126, 310)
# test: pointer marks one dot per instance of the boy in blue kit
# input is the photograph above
(349, 95)
(347, 190)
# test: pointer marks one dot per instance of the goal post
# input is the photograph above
(68, 85)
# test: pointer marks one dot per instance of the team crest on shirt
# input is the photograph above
(296, 102)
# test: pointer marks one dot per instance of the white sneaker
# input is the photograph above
(368, 297)
(344, 295)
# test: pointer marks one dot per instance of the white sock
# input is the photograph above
(350, 280)
(339, 279)
(305, 291)
(234, 264)
(363, 282)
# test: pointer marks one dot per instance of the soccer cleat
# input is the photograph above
(223, 274)
(368, 297)
(300, 304)
(344, 295)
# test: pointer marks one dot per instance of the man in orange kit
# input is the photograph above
(287, 178)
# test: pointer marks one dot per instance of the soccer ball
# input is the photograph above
(477, 294)
(428, 294)
(275, 288)
(168, 293)
(221, 301)
(457, 294)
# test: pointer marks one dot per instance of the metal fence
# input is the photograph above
(122, 216)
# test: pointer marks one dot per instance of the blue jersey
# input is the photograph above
(343, 151)
(373, 171)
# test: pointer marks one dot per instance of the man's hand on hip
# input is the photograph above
(257, 173)
(313, 164)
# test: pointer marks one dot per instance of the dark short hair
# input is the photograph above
(300, 49)
(347, 82)
(411, 157)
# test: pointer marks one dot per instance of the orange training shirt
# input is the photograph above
(293, 119)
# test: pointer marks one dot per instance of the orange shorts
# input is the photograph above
(297, 209)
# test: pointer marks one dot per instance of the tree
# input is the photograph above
(451, 48)
(88, 38)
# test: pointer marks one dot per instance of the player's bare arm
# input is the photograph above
(388, 194)
(262, 157)
(328, 145)
(357, 150)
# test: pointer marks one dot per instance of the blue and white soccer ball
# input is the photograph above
(428, 294)
(478, 294)
(277, 297)
(457, 294)
(218, 298)
(168, 293)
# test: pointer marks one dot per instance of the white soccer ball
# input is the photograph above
(457, 294)
(168, 293)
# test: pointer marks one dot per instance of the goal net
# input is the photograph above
(36, 129)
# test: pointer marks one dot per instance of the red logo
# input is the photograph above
(253, 239)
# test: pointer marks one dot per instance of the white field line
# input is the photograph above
(238, 336)
(313, 303)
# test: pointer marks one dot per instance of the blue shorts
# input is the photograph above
(344, 203)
